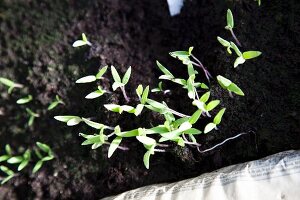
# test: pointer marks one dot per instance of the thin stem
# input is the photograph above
(178, 113)
(159, 150)
(123, 148)
(199, 64)
(235, 38)
(124, 94)
(228, 139)
(162, 145)
(186, 141)
(18, 85)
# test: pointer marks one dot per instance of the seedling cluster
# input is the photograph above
(242, 57)
(177, 127)
(42, 152)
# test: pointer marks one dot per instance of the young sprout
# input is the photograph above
(82, 42)
(69, 119)
(55, 103)
(92, 78)
(216, 121)
(24, 100)
(230, 26)
(10, 84)
(22, 161)
(8, 153)
(43, 158)
(230, 86)
(118, 83)
(96, 93)
(242, 57)
(160, 89)
(32, 116)
(10, 174)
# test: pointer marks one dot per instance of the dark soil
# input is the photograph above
(35, 49)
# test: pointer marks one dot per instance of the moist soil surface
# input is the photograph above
(36, 51)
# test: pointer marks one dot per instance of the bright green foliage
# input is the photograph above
(118, 81)
(32, 116)
(230, 20)
(10, 84)
(82, 42)
(242, 57)
(44, 153)
(24, 159)
(229, 85)
(69, 119)
(55, 103)
(96, 93)
(217, 120)
(92, 78)
(24, 100)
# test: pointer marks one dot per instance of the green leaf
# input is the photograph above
(27, 155)
(193, 131)
(7, 82)
(139, 90)
(43, 147)
(211, 105)
(87, 79)
(116, 85)
(101, 72)
(47, 158)
(200, 105)
(92, 139)
(191, 70)
(6, 170)
(23, 164)
(37, 166)
(113, 108)
(224, 82)
(24, 100)
(114, 145)
(4, 158)
(164, 70)
(145, 95)
(251, 54)
(31, 120)
(79, 43)
(131, 133)
(225, 43)
(156, 104)
(218, 117)
(240, 60)
(190, 87)
(190, 50)
(180, 121)
(64, 118)
(74, 121)
(204, 98)
(84, 38)
(15, 159)
(115, 74)
(146, 140)
(236, 49)
(52, 105)
(126, 76)
(234, 88)
(230, 21)
(139, 108)
(7, 179)
(8, 149)
(95, 94)
(30, 112)
(146, 159)
(194, 118)
(209, 127)
(93, 124)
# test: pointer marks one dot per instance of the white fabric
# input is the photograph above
(275, 177)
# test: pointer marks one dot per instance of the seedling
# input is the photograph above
(160, 89)
(69, 119)
(186, 58)
(92, 78)
(230, 26)
(55, 103)
(24, 100)
(32, 116)
(118, 83)
(82, 42)
(217, 120)
(230, 86)
(24, 159)
(10, 84)
(48, 155)
(242, 57)
(99, 92)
